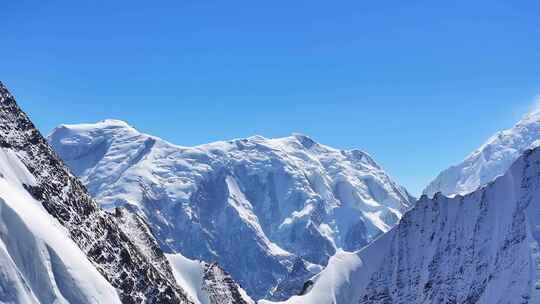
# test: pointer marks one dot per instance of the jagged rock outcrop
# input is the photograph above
(207, 283)
(215, 286)
(220, 286)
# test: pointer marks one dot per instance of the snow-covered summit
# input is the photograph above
(270, 201)
(490, 160)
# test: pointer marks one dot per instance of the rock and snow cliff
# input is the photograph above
(57, 245)
(39, 263)
(270, 211)
(478, 248)
(207, 283)
(492, 159)
(204, 283)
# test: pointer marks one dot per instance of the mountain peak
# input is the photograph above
(305, 140)
(532, 117)
(257, 137)
(102, 124)
(114, 122)
(490, 160)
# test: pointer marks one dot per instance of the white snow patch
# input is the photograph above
(189, 274)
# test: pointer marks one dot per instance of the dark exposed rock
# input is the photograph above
(220, 286)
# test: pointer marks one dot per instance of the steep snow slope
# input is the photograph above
(268, 201)
(492, 159)
(39, 263)
(480, 248)
(94, 231)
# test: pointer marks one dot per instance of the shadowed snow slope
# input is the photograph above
(480, 248)
(492, 159)
(264, 209)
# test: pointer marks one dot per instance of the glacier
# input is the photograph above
(271, 212)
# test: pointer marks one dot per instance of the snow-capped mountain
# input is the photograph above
(269, 211)
(58, 246)
(479, 248)
(492, 159)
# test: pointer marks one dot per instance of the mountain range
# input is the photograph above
(102, 213)
(284, 205)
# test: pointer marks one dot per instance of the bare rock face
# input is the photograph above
(141, 236)
(137, 278)
(220, 286)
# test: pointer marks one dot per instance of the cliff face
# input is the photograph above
(204, 283)
(39, 262)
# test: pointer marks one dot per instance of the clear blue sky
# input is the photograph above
(417, 84)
